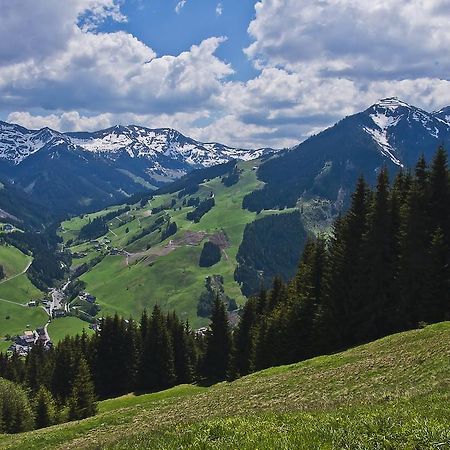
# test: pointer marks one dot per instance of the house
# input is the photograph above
(8, 227)
(87, 297)
(32, 303)
(58, 313)
(28, 339)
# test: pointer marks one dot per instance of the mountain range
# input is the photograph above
(69, 173)
(390, 133)
(72, 172)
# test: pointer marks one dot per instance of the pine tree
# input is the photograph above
(45, 408)
(437, 281)
(218, 344)
(343, 290)
(439, 205)
(157, 360)
(182, 353)
(414, 241)
(245, 339)
(378, 259)
(82, 400)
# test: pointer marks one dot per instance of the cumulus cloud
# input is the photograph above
(318, 61)
(36, 29)
(219, 9)
(376, 39)
(64, 63)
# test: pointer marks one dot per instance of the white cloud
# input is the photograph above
(37, 29)
(180, 6)
(319, 60)
(219, 9)
(383, 39)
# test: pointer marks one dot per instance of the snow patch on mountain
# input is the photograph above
(17, 143)
(393, 119)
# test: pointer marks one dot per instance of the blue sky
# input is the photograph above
(158, 25)
(247, 73)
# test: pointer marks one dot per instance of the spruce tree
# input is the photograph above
(157, 360)
(245, 339)
(218, 344)
(45, 408)
(378, 260)
(414, 241)
(82, 400)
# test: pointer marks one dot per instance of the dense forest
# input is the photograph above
(385, 269)
(271, 246)
(203, 207)
(99, 226)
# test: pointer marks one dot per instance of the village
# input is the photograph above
(56, 307)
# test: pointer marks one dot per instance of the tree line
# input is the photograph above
(385, 269)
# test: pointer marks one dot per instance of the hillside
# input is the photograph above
(392, 393)
(15, 291)
(139, 266)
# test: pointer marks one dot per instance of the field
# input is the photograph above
(14, 319)
(12, 260)
(15, 291)
(58, 329)
(166, 272)
(389, 394)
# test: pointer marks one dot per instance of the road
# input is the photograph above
(18, 274)
(57, 300)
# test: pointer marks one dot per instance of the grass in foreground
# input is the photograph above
(389, 394)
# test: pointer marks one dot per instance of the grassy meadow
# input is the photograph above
(175, 280)
(389, 394)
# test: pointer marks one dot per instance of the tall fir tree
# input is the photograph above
(45, 408)
(216, 363)
(157, 360)
(82, 402)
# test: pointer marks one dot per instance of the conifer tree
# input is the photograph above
(82, 400)
(218, 344)
(378, 259)
(182, 353)
(414, 241)
(245, 339)
(45, 408)
(157, 360)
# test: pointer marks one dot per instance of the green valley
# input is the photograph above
(133, 266)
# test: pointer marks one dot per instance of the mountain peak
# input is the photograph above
(391, 103)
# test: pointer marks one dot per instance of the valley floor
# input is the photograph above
(390, 394)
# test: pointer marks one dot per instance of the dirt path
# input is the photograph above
(18, 274)
(14, 303)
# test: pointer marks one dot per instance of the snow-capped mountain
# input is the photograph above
(73, 172)
(152, 145)
(390, 133)
(18, 143)
(396, 126)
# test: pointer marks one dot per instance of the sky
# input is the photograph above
(245, 73)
